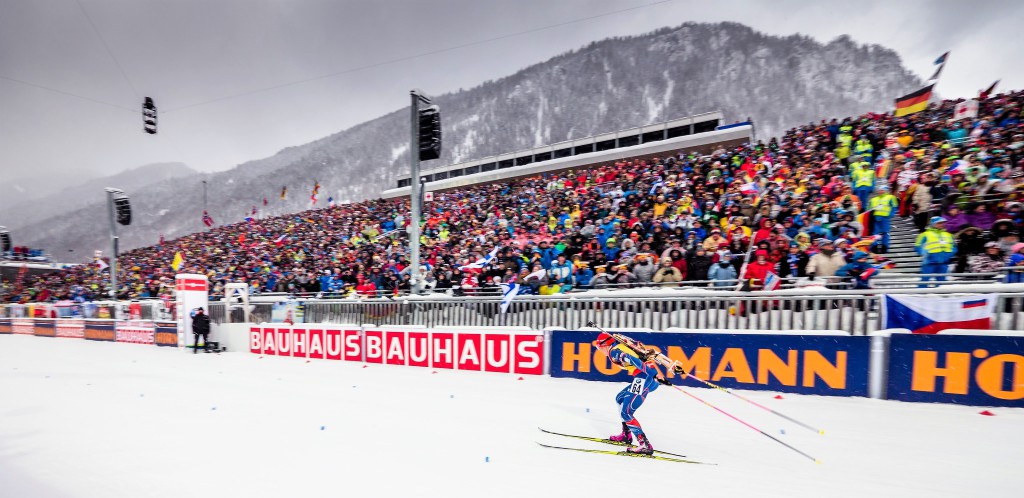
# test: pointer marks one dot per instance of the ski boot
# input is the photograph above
(643, 446)
(626, 437)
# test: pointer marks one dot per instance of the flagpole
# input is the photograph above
(750, 250)
(204, 205)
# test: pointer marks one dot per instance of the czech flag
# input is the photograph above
(914, 102)
(749, 189)
(931, 314)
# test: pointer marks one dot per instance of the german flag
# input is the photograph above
(914, 102)
(865, 222)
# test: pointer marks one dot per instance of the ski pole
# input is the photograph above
(744, 423)
(729, 391)
(720, 388)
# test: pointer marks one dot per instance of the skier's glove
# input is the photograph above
(662, 380)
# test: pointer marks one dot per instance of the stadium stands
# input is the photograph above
(676, 219)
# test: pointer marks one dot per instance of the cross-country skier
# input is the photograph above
(646, 376)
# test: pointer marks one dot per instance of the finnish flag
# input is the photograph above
(508, 293)
(484, 261)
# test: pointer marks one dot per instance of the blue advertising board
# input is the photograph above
(962, 369)
(808, 364)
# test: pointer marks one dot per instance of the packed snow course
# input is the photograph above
(94, 419)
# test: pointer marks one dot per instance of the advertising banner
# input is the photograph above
(99, 330)
(829, 365)
(963, 369)
(166, 334)
(45, 328)
(72, 327)
(135, 331)
(5, 326)
(476, 350)
(22, 326)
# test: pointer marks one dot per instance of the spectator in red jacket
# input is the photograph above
(758, 269)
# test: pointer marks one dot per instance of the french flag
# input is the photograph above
(280, 240)
(929, 315)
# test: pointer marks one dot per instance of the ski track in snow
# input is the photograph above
(92, 419)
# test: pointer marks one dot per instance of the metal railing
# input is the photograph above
(885, 280)
(852, 311)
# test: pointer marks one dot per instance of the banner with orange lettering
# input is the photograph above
(830, 365)
(980, 370)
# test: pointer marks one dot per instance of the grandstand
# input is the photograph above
(700, 133)
(651, 206)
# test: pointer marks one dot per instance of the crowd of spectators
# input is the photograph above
(785, 207)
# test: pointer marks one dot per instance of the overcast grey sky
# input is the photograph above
(186, 52)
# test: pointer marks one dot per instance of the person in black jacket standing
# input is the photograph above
(200, 327)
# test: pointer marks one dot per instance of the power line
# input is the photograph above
(107, 47)
(416, 56)
(69, 94)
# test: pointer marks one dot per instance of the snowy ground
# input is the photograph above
(89, 419)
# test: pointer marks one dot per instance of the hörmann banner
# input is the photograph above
(45, 328)
(99, 330)
(833, 365)
(5, 325)
(166, 334)
(518, 352)
(963, 369)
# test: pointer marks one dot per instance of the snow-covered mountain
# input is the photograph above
(608, 85)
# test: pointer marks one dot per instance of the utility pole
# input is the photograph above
(113, 241)
(425, 144)
(414, 195)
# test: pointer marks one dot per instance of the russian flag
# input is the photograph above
(931, 314)
(959, 167)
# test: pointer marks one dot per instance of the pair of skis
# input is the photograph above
(660, 455)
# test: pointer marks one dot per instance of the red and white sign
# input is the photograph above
(192, 291)
(190, 284)
(966, 109)
(519, 352)
(23, 326)
(73, 327)
(135, 332)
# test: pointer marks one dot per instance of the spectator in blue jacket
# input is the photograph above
(859, 271)
(723, 273)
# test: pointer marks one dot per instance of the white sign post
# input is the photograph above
(192, 291)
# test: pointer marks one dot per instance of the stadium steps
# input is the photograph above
(901, 248)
